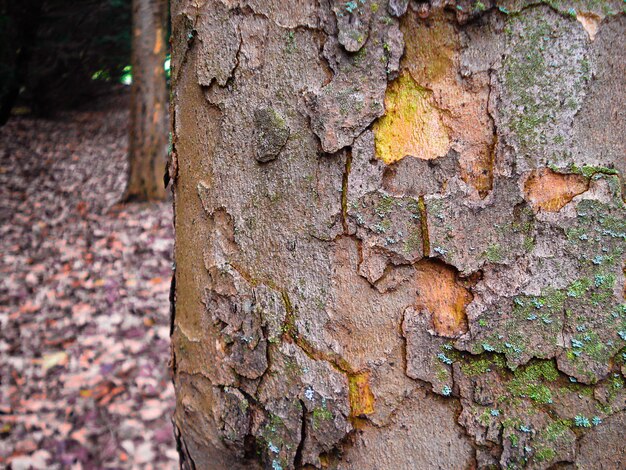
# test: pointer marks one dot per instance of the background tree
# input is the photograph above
(20, 21)
(399, 234)
(61, 54)
(148, 131)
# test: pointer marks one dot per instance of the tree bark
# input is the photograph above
(400, 234)
(148, 121)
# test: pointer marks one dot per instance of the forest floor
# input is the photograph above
(84, 309)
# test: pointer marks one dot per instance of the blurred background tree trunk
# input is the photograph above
(148, 119)
(399, 234)
(19, 22)
(57, 55)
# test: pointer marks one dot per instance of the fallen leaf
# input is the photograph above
(54, 359)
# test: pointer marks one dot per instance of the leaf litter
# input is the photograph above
(84, 285)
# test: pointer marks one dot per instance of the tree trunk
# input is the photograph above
(20, 23)
(400, 234)
(148, 128)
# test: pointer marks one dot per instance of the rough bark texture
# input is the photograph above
(400, 234)
(148, 127)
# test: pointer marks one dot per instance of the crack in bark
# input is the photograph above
(494, 143)
(421, 204)
(344, 190)
(291, 334)
(186, 461)
(172, 299)
(298, 457)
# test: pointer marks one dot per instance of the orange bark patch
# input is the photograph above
(360, 395)
(591, 23)
(443, 296)
(549, 191)
(432, 49)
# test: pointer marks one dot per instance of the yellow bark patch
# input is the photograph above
(549, 191)
(360, 395)
(411, 125)
(443, 296)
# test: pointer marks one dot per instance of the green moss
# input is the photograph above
(592, 346)
(555, 430)
(493, 253)
(479, 6)
(271, 431)
(521, 75)
(546, 308)
(473, 367)
(485, 418)
(413, 242)
(600, 296)
(529, 244)
(578, 288)
(544, 454)
(442, 374)
(450, 352)
(290, 42)
(613, 223)
(321, 414)
(530, 381)
(385, 205)
(617, 382)
(477, 367)
(509, 426)
(581, 390)
(576, 234)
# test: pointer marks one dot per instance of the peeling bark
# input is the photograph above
(396, 244)
(547, 190)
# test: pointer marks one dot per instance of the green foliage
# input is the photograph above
(127, 75)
